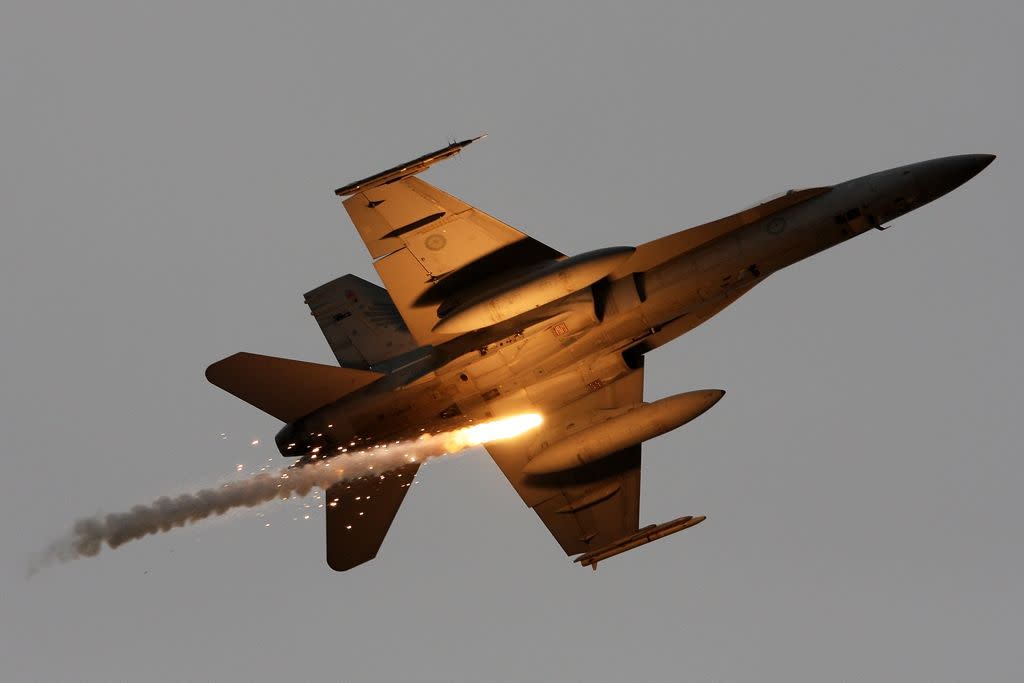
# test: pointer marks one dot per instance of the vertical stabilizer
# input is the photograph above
(360, 322)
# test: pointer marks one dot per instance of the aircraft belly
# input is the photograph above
(513, 364)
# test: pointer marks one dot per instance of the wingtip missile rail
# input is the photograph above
(635, 540)
(417, 165)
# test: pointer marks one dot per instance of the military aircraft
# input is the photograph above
(478, 321)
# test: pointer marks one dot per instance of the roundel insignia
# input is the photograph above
(436, 242)
(776, 225)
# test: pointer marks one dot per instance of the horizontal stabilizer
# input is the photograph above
(359, 514)
(286, 389)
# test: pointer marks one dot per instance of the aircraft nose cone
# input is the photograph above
(939, 176)
(970, 165)
(984, 159)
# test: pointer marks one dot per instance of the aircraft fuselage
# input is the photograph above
(589, 339)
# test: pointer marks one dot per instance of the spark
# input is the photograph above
(254, 442)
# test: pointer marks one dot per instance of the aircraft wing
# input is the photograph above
(359, 514)
(429, 246)
(587, 507)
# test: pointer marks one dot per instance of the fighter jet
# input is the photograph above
(477, 320)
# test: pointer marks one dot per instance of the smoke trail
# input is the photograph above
(88, 535)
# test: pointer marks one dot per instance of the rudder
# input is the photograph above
(360, 322)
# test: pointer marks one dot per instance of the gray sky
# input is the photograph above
(166, 187)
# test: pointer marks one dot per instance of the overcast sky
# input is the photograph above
(166, 187)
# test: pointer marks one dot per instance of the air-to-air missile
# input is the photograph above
(637, 539)
(638, 424)
(408, 168)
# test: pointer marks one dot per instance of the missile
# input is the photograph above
(533, 289)
(643, 422)
(635, 540)
(409, 168)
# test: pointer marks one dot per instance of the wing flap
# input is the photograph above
(406, 282)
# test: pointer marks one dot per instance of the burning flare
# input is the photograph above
(494, 430)
(88, 534)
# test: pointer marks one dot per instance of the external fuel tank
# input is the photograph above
(638, 424)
